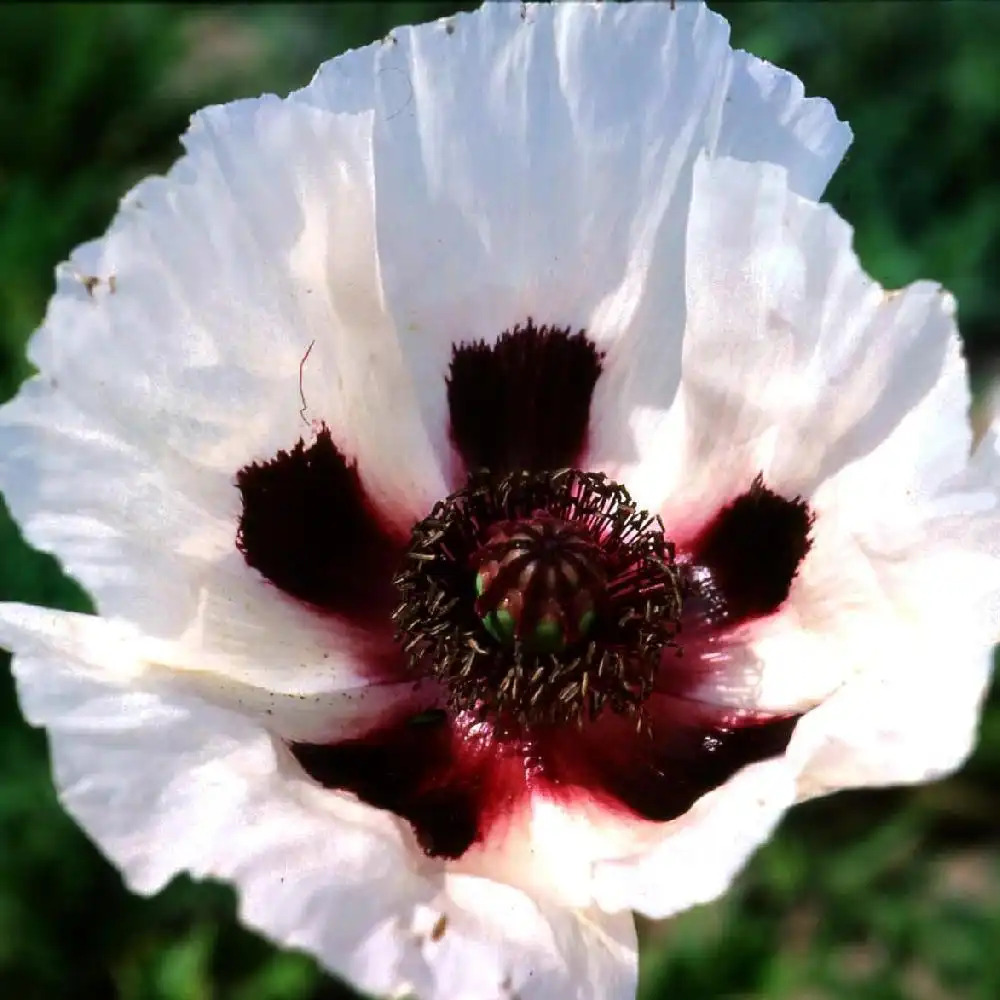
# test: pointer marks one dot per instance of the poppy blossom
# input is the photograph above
(504, 495)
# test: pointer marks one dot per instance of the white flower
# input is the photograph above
(256, 388)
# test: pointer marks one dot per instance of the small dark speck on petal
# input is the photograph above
(439, 928)
(507, 988)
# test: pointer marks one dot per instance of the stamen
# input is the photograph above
(539, 597)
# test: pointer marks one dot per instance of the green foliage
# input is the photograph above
(878, 895)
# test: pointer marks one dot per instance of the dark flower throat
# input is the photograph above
(578, 598)
(556, 617)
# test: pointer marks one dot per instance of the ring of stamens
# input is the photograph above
(584, 528)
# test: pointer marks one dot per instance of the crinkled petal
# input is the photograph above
(909, 711)
(535, 160)
(207, 292)
(915, 644)
(155, 553)
(210, 288)
(898, 727)
(312, 704)
(154, 544)
(841, 370)
(166, 783)
(346, 84)
(859, 404)
(766, 117)
(967, 514)
(498, 944)
(694, 859)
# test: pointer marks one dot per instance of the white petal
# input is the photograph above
(920, 666)
(315, 705)
(165, 784)
(766, 117)
(764, 114)
(891, 676)
(805, 370)
(497, 943)
(854, 607)
(156, 547)
(808, 372)
(694, 859)
(184, 330)
(961, 522)
(535, 160)
(915, 724)
(837, 369)
(181, 364)
(345, 84)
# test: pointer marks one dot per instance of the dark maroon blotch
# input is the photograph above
(661, 773)
(453, 787)
(748, 555)
(308, 527)
(523, 403)
(420, 769)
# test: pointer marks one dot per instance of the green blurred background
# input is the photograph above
(870, 895)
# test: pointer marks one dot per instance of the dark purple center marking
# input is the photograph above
(451, 790)
(689, 751)
(743, 563)
(308, 527)
(456, 776)
(453, 785)
(453, 780)
(523, 404)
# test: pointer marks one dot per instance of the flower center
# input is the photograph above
(539, 597)
(538, 581)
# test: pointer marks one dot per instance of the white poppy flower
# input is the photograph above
(414, 351)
